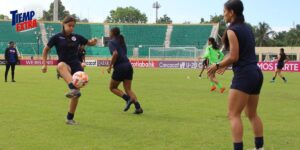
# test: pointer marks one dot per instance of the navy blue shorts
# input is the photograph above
(122, 72)
(75, 66)
(248, 79)
(280, 65)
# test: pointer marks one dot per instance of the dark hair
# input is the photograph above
(282, 51)
(67, 20)
(11, 42)
(238, 8)
(213, 42)
(116, 33)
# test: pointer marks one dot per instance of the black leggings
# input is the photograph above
(12, 70)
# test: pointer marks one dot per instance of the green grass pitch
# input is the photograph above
(179, 113)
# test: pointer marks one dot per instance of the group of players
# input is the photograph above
(238, 40)
(213, 54)
(67, 46)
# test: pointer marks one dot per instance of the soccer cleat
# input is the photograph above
(128, 104)
(272, 81)
(74, 93)
(138, 111)
(213, 88)
(13, 80)
(71, 122)
(222, 90)
(285, 81)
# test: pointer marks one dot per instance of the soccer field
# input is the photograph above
(179, 113)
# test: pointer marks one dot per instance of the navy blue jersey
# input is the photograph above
(282, 58)
(67, 46)
(122, 58)
(246, 45)
(11, 55)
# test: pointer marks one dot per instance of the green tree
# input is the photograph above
(263, 34)
(62, 13)
(2, 17)
(292, 37)
(126, 15)
(164, 20)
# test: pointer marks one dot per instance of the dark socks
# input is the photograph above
(126, 97)
(238, 146)
(274, 78)
(259, 142)
(70, 116)
(137, 105)
(13, 76)
(283, 78)
(71, 86)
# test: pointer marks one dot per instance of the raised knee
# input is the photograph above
(61, 65)
(112, 88)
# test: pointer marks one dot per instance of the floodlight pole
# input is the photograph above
(156, 6)
(55, 11)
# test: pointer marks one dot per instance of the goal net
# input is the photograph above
(174, 52)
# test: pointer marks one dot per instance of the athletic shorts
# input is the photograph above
(122, 72)
(280, 65)
(248, 79)
(75, 66)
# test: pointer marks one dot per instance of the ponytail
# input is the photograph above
(238, 9)
(119, 37)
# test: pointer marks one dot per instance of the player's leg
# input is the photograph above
(275, 75)
(13, 72)
(65, 72)
(281, 76)
(72, 109)
(202, 70)
(128, 90)
(114, 88)
(212, 83)
(257, 126)
(6, 71)
(236, 103)
(216, 82)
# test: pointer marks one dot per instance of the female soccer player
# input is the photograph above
(123, 71)
(67, 44)
(282, 59)
(214, 55)
(11, 59)
(248, 78)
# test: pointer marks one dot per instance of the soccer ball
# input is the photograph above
(80, 79)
